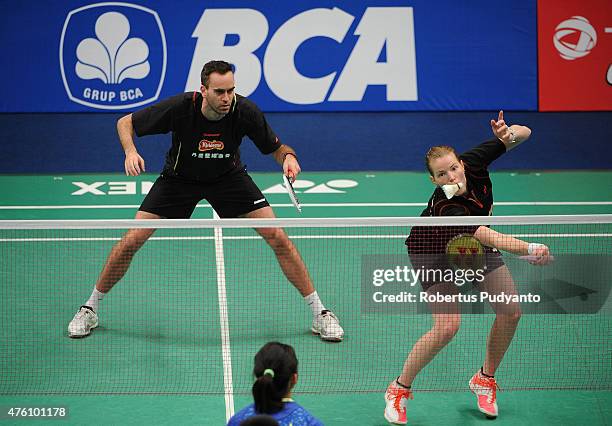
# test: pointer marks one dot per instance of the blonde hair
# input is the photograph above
(437, 152)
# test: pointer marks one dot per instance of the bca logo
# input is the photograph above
(381, 30)
(574, 38)
(113, 55)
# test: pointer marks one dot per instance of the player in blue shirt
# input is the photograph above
(275, 374)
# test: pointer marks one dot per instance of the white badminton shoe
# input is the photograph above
(83, 322)
(327, 326)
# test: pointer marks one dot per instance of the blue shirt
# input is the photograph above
(292, 414)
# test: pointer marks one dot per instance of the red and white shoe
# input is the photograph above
(485, 389)
(396, 397)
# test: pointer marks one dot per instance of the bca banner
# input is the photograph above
(121, 63)
(303, 55)
(575, 55)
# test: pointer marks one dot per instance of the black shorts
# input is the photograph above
(232, 195)
(440, 261)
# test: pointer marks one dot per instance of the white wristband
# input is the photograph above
(512, 136)
(533, 246)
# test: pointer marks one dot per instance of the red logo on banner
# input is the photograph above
(575, 55)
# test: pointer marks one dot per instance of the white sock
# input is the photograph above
(315, 303)
(94, 300)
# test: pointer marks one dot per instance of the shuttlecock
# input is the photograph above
(451, 189)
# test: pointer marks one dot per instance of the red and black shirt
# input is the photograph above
(203, 150)
(477, 201)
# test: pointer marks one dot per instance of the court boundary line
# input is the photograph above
(226, 351)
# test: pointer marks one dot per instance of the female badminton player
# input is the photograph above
(463, 188)
(276, 373)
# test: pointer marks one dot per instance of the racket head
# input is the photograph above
(291, 193)
(464, 251)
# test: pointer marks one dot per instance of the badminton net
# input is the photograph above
(202, 296)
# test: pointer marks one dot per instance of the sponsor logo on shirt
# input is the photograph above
(209, 155)
(206, 145)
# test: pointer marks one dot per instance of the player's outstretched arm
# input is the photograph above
(134, 163)
(287, 158)
(508, 243)
(511, 135)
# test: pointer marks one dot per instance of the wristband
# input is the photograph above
(533, 246)
(513, 138)
(289, 153)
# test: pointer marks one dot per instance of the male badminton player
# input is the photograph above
(463, 188)
(204, 163)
